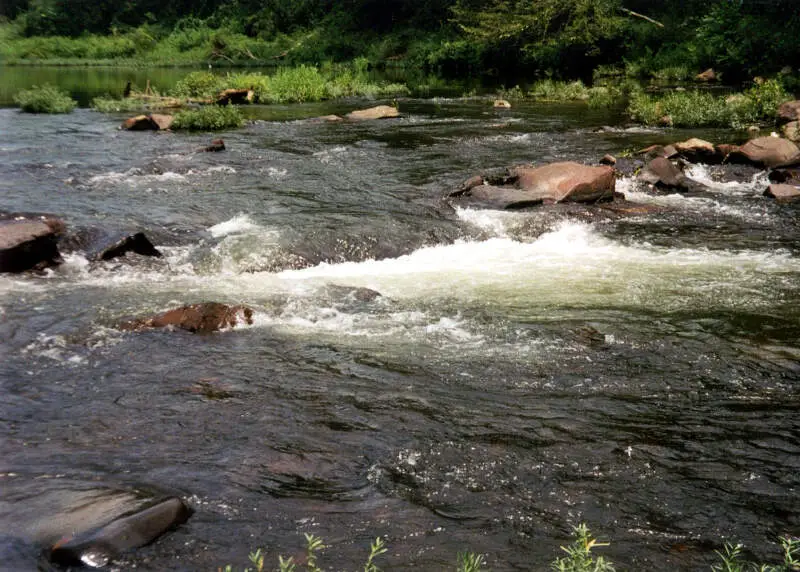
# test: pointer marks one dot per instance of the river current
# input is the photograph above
(521, 372)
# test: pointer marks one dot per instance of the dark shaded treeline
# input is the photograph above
(567, 38)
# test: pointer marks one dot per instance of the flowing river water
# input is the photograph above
(521, 372)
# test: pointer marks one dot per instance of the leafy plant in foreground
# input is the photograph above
(733, 559)
(579, 556)
(44, 99)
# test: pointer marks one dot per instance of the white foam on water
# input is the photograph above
(746, 211)
(755, 186)
(237, 225)
(494, 222)
(571, 265)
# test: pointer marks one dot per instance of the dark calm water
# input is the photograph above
(521, 373)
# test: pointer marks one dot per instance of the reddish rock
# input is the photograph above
(138, 123)
(783, 193)
(725, 149)
(198, 318)
(29, 243)
(698, 151)
(767, 152)
(789, 111)
(709, 75)
(567, 182)
(161, 121)
(377, 112)
(608, 160)
(653, 151)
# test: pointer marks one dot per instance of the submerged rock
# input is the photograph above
(767, 152)
(99, 546)
(29, 243)
(137, 243)
(377, 112)
(653, 151)
(216, 146)
(783, 193)
(501, 104)
(200, 318)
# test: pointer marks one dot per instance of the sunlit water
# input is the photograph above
(520, 373)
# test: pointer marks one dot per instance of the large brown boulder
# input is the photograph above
(789, 111)
(377, 112)
(783, 193)
(567, 182)
(29, 243)
(201, 318)
(767, 152)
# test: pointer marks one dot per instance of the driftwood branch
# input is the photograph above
(643, 17)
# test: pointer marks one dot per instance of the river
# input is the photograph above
(521, 372)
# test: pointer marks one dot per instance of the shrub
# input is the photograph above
(107, 104)
(579, 556)
(44, 99)
(209, 118)
(199, 84)
(702, 109)
(550, 90)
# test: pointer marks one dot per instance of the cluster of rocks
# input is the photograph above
(162, 122)
(31, 242)
(659, 166)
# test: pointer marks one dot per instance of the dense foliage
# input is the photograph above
(568, 39)
(44, 99)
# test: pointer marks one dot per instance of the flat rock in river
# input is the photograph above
(377, 112)
(783, 193)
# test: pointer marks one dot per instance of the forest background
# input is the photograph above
(507, 39)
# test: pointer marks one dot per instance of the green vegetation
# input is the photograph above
(209, 118)
(44, 99)
(290, 85)
(733, 560)
(511, 39)
(695, 108)
(579, 556)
